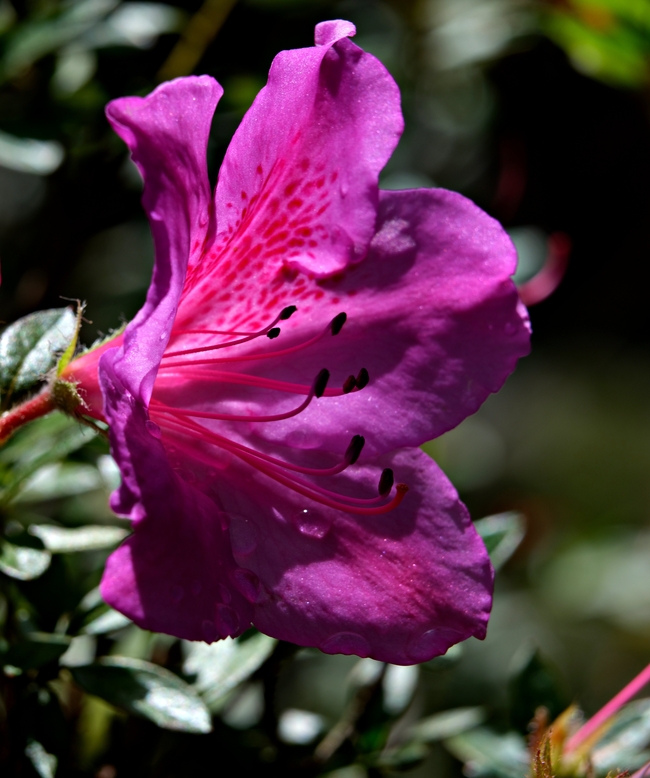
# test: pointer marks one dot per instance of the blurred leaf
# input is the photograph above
(61, 479)
(36, 650)
(501, 533)
(109, 621)
(223, 665)
(624, 741)
(23, 563)
(147, 690)
(542, 766)
(59, 540)
(404, 758)
(29, 348)
(44, 763)
(28, 155)
(491, 754)
(35, 445)
(447, 724)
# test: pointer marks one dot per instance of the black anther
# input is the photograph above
(349, 385)
(354, 449)
(363, 378)
(320, 384)
(386, 482)
(273, 333)
(287, 312)
(337, 323)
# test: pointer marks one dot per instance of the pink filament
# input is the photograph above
(269, 467)
(608, 710)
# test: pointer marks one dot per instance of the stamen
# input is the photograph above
(317, 390)
(386, 482)
(362, 379)
(349, 384)
(313, 491)
(271, 331)
(242, 379)
(265, 355)
(354, 449)
(337, 323)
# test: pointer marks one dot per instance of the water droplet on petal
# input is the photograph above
(312, 523)
(243, 535)
(163, 335)
(209, 631)
(227, 621)
(177, 593)
(346, 643)
(196, 588)
(247, 583)
(153, 429)
(431, 643)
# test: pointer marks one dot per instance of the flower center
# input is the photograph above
(201, 364)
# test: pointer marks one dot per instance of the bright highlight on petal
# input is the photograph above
(303, 334)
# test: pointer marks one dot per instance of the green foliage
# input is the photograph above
(29, 349)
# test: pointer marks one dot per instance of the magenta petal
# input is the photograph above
(312, 146)
(176, 573)
(167, 133)
(401, 587)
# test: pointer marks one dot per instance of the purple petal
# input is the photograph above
(176, 573)
(432, 315)
(167, 133)
(298, 185)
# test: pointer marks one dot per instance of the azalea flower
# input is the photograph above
(303, 334)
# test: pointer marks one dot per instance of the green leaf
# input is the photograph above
(23, 563)
(29, 348)
(447, 724)
(223, 665)
(625, 741)
(109, 621)
(60, 479)
(502, 534)
(491, 754)
(62, 540)
(36, 650)
(146, 690)
(534, 684)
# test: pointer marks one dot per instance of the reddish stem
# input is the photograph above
(607, 711)
(38, 406)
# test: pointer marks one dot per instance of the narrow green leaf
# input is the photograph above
(502, 534)
(23, 563)
(223, 665)
(60, 479)
(109, 621)
(61, 540)
(146, 690)
(29, 348)
(625, 740)
(36, 650)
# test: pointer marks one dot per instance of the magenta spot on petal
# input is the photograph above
(177, 593)
(153, 429)
(243, 535)
(227, 621)
(247, 583)
(346, 643)
(209, 631)
(312, 523)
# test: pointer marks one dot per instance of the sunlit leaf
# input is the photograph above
(23, 563)
(58, 480)
(37, 649)
(223, 665)
(61, 540)
(501, 533)
(503, 756)
(109, 621)
(44, 763)
(447, 724)
(30, 347)
(625, 740)
(147, 690)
